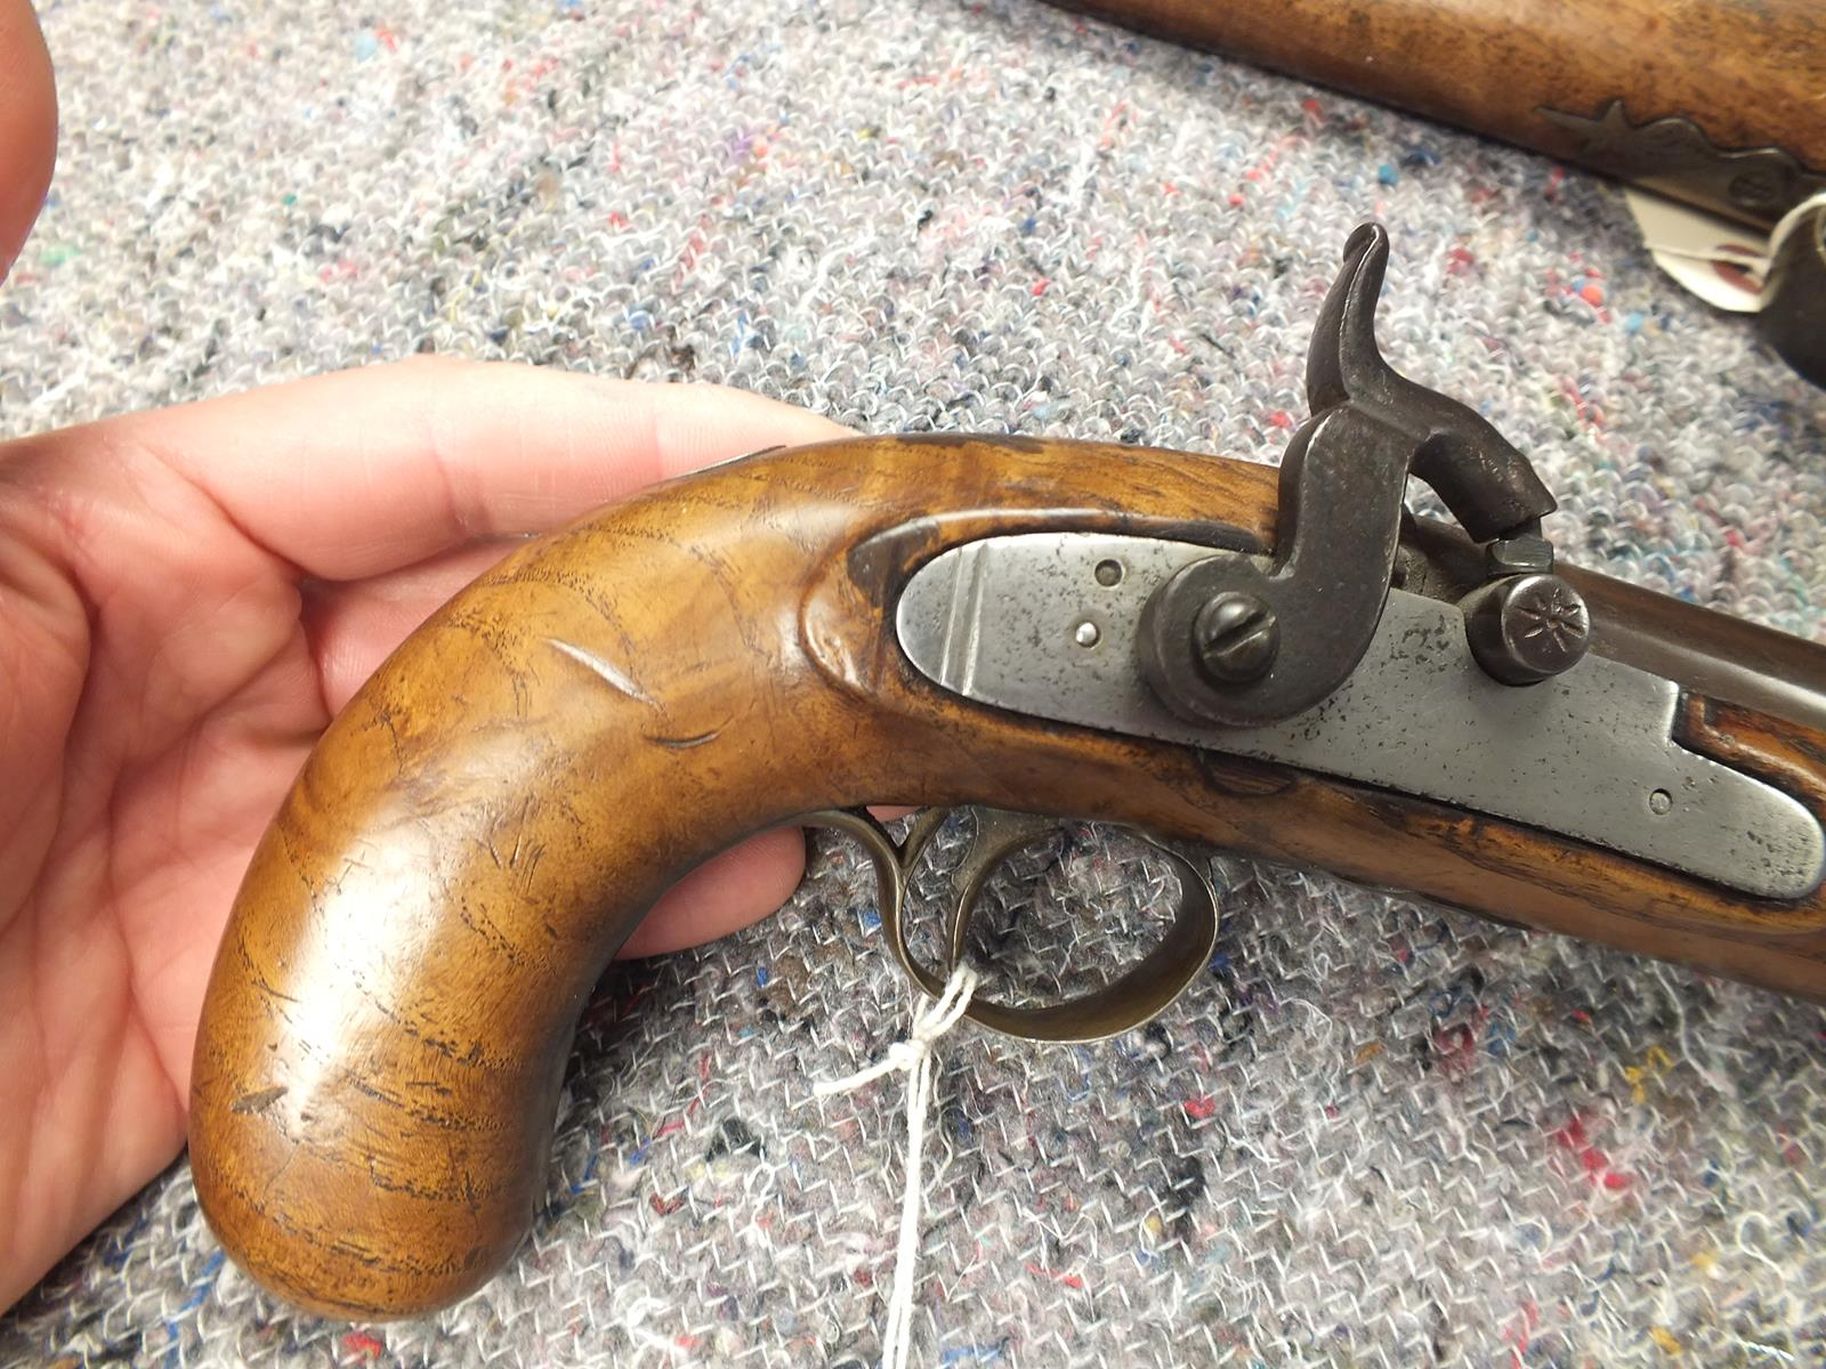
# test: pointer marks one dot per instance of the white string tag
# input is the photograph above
(1723, 262)
(914, 1055)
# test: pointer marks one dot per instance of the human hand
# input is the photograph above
(186, 598)
(28, 126)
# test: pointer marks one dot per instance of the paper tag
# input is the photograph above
(1720, 261)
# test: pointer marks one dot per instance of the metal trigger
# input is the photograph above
(1128, 1001)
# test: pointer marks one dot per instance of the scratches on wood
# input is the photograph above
(615, 679)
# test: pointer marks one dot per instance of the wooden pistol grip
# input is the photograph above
(385, 1030)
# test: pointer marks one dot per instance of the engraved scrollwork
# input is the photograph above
(1674, 154)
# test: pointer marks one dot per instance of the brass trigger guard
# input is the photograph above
(1125, 1002)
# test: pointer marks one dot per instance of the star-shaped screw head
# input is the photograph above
(1527, 628)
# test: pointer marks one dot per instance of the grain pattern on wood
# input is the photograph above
(1748, 73)
(385, 1030)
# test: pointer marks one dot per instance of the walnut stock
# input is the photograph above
(1714, 103)
(386, 1027)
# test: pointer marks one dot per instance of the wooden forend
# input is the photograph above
(1746, 73)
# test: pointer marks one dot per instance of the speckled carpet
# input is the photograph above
(1374, 1133)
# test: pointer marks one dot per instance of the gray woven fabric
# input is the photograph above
(1373, 1133)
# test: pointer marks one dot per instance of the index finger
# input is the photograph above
(28, 125)
(362, 472)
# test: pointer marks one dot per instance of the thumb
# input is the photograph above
(28, 126)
